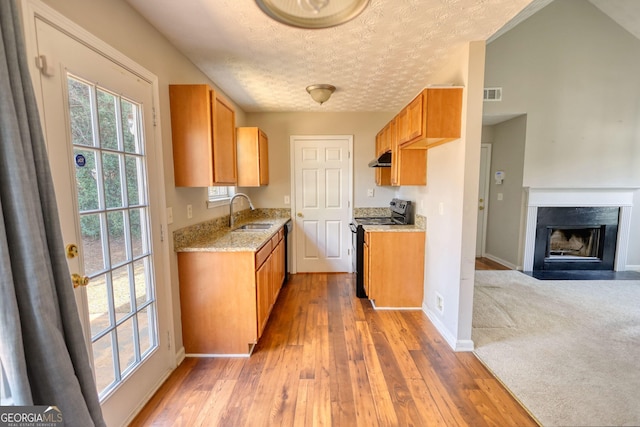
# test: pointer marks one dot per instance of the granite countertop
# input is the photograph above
(215, 237)
(394, 228)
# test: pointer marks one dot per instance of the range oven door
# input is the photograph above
(357, 258)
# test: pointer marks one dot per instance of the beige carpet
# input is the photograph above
(568, 350)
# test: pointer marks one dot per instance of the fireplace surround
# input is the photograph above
(618, 203)
(576, 238)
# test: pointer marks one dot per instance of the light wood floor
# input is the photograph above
(329, 358)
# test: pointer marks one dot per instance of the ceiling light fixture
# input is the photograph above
(312, 13)
(321, 92)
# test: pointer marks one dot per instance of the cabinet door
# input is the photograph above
(402, 123)
(416, 118)
(191, 135)
(263, 143)
(263, 291)
(385, 266)
(224, 141)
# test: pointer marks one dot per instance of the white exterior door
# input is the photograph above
(98, 121)
(322, 180)
(483, 198)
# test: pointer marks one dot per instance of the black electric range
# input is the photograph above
(401, 214)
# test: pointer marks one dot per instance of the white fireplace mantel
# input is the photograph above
(579, 197)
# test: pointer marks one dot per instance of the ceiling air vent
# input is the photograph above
(492, 94)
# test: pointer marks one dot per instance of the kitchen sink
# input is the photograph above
(256, 226)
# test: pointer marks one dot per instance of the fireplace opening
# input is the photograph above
(573, 243)
(575, 238)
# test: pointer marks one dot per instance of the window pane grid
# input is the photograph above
(111, 179)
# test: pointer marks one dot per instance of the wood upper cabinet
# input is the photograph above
(253, 157)
(408, 167)
(204, 137)
(383, 268)
(383, 144)
(431, 118)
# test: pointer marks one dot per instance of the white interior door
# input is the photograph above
(98, 120)
(483, 198)
(322, 180)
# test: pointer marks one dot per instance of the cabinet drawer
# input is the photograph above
(274, 241)
(263, 254)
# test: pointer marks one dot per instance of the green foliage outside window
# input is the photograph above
(105, 159)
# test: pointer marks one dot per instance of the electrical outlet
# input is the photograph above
(370, 192)
(500, 196)
(189, 211)
(439, 303)
(287, 200)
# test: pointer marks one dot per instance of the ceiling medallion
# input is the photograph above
(312, 13)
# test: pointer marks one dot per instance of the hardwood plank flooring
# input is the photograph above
(329, 358)
(488, 264)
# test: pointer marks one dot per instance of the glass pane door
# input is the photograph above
(113, 209)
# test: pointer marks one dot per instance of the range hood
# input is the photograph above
(384, 161)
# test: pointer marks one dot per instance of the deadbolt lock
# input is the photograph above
(71, 250)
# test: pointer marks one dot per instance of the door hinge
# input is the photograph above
(168, 340)
(161, 233)
(153, 109)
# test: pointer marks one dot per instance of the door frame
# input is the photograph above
(32, 9)
(292, 159)
(487, 183)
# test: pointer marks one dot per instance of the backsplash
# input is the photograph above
(371, 212)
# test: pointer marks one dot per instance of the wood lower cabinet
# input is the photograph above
(394, 268)
(203, 137)
(226, 297)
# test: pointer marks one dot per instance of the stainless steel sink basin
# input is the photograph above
(254, 227)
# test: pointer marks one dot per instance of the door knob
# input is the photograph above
(300, 214)
(79, 280)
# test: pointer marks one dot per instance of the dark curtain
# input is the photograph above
(42, 351)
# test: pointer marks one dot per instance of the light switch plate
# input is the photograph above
(287, 200)
(189, 211)
(169, 215)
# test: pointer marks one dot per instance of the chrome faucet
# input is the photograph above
(231, 206)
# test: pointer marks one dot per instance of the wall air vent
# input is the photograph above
(492, 94)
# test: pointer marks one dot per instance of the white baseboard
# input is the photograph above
(180, 355)
(454, 343)
(148, 397)
(501, 261)
(633, 267)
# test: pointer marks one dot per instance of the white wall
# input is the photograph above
(573, 71)
(503, 221)
(452, 180)
(280, 126)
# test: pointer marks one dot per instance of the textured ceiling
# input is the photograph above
(379, 61)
